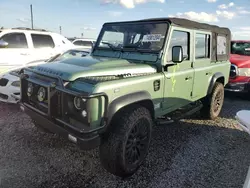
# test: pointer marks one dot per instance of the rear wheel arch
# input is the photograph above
(217, 77)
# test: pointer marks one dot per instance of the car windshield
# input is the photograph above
(240, 48)
(70, 54)
(133, 36)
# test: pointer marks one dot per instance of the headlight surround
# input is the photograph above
(16, 83)
(243, 71)
(79, 103)
(30, 89)
(41, 94)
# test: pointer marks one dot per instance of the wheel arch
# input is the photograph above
(217, 77)
(142, 98)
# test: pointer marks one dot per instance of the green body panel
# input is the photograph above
(180, 83)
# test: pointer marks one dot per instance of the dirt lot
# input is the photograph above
(192, 153)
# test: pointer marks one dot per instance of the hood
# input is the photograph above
(240, 60)
(89, 66)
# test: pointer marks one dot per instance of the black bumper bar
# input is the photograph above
(238, 87)
(84, 142)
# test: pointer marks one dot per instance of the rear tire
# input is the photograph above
(124, 148)
(212, 104)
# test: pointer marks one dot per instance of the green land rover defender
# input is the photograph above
(139, 74)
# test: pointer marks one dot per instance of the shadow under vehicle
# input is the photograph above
(139, 73)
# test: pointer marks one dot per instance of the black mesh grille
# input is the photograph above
(5, 97)
(3, 81)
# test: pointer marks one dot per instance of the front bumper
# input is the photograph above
(56, 119)
(9, 93)
(83, 141)
(241, 87)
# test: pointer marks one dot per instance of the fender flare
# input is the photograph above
(126, 100)
(213, 79)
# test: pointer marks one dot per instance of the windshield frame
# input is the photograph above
(99, 38)
(242, 48)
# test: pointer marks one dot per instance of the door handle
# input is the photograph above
(24, 53)
(208, 73)
(188, 78)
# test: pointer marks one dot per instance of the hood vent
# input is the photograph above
(49, 71)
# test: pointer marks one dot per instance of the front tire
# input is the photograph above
(212, 104)
(125, 147)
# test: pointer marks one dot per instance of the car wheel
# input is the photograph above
(212, 104)
(125, 146)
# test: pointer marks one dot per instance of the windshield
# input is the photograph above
(70, 54)
(135, 36)
(240, 48)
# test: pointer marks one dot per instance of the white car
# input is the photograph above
(243, 118)
(18, 46)
(10, 82)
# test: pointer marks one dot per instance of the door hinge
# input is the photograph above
(191, 94)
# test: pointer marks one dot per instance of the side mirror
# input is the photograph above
(177, 54)
(3, 44)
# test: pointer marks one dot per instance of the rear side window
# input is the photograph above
(15, 40)
(41, 41)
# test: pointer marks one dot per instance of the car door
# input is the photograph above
(43, 46)
(15, 53)
(202, 63)
(178, 77)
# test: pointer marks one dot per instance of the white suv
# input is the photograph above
(19, 46)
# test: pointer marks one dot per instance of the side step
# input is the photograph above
(180, 114)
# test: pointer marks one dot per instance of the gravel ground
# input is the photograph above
(192, 153)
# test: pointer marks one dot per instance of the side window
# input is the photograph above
(87, 43)
(221, 45)
(15, 40)
(83, 43)
(179, 38)
(78, 42)
(202, 46)
(41, 41)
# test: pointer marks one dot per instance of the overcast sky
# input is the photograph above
(87, 16)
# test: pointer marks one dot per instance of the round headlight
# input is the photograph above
(41, 94)
(29, 89)
(78, 102)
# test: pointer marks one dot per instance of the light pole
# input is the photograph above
(31, 14)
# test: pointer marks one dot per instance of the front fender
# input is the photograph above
(126, 100)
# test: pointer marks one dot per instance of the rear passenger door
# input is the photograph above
(43, 46)
(202, 63)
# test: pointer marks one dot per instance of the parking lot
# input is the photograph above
(192, 153)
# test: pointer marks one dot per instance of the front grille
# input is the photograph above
(3, 81)
(33, 99)
(5, 97)
(55, 100)
(233, 71)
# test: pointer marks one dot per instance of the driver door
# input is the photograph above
(179, 77)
